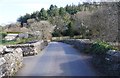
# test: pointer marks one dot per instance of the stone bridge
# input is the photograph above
(11, 56)
(57, 59)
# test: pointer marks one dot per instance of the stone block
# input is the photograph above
(113, 55)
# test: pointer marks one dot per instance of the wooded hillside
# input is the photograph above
(88, 20)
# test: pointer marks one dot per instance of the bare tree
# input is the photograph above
(42, 29)
(104, 22)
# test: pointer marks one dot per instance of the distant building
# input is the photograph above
(11, 37)
(23, 35)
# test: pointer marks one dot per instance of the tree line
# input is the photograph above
(61, 17)
(55, 11)
(89, 20)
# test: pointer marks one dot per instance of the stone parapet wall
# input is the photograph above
(10, 62)
(11, 56)
(80, 44)
(108, 64)
(29, 49)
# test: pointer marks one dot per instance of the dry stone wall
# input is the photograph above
(29, 49)
(11, 56)
(109, 64)
(10, 61)
(80, 44)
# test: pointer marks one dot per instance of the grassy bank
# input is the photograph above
(13, 42)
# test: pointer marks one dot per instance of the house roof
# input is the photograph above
(12, 34)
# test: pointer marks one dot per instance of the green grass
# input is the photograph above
(4, 42)
(19, 41)
(13, 32)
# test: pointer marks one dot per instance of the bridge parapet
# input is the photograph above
(108, 64)
(29, 49)
(11, 56)
(10, 61)
(80, 44)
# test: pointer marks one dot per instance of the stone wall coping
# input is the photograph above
(38, 42)
(81, 40)
(114, 53)
(20, 45)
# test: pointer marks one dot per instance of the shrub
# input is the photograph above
(101, 47)
(3, 34)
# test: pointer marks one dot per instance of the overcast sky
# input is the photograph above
(10, 10)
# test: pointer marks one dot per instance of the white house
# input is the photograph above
(10, 37)
(23, 35)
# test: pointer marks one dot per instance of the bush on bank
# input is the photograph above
(101, 47)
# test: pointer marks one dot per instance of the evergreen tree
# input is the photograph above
(43, 14)
(53, 11)
(71, 9)
(70, 30)
(23, 19)
(62, 11)
(35, 15)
